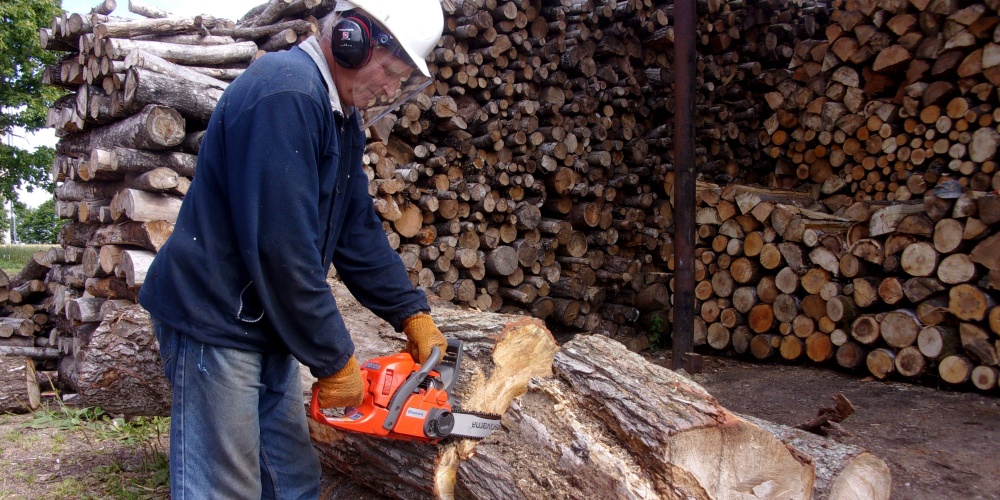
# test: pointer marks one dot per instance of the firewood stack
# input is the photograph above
(26, 303)
(516, 180)
(141, 93)
(893, 97)
(905, 289)
(519, 181)
(891, 116)
(535, 175)
(30, 341)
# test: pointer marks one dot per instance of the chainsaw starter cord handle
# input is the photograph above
(408, 387)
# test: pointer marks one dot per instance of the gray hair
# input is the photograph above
(326, 25)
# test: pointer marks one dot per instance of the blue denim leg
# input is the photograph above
(238, 426)
(289, 465)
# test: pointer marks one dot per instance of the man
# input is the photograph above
(239, 291)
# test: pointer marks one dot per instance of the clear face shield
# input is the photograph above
(385, 84)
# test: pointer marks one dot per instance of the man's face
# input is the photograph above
(379, 79)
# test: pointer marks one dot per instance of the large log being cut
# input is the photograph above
(588, 419)
(585, 419)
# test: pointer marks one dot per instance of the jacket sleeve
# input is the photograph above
(273, 188)
(368, 265)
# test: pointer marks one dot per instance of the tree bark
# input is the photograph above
(185, 75)
(192, 98)
(842, 471)
(147, 235)
(119, 48)
(162, 26)
(18, 387)
(153, 128)
(119, 367)
(143, 206)
(146, 10)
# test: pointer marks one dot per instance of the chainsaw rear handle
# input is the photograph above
(314, 409)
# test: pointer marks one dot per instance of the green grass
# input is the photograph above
(149, 478)
(26, 477)
(20, 440)
(73, 488)
(14, 257)
(141, 472)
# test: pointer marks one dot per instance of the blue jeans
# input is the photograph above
(238, 425)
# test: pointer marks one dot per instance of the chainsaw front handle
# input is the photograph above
(408, 387)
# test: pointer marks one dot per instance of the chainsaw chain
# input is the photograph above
(488, 416)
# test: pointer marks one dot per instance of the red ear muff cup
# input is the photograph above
(351, 42)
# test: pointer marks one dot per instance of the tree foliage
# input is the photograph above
(4, 223)
(38, 225)
(24, 100)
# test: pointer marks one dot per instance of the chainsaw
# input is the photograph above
(407, 400)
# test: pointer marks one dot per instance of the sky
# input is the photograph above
(228, 9)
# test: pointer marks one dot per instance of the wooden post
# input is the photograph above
(684, 190)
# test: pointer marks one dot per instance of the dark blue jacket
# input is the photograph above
(279, 195)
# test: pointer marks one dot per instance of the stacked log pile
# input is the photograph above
(516, 180)
(890, 115)
(904, 289)
(31, 339)
(535, 174)
(522, 179)
(892, 97)
(140, 93)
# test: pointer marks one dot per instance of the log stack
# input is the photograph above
(27, 326)
(520, 181)
(515, 180)
(907, 290)
(890, 98)
(890, 115)
(140, 93)
(536, 174)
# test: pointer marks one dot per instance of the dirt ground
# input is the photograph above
(57, 461)
(939, 444)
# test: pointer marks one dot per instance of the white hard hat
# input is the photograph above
(415, 24)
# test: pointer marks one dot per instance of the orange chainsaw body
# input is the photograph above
(382, 378)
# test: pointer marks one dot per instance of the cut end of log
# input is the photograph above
(523, 350)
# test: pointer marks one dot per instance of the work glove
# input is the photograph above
(344, 388)
(422, 335)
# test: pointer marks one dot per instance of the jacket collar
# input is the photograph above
(311, 47)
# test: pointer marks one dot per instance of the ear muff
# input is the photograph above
(351, 41)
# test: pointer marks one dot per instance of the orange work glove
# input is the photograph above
(344, 388)
(423, 335)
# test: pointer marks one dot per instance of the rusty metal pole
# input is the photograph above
(685, 17)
